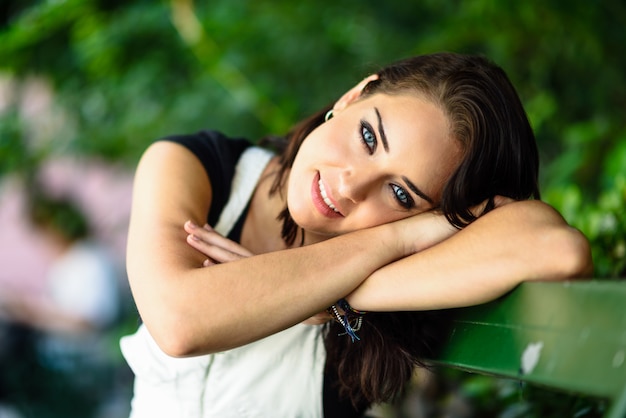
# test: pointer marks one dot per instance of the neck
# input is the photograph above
(313, 238)
(262, 230)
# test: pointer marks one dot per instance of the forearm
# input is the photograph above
(520, 241)
(192, 310)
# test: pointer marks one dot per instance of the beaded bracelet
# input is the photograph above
(343, 304)
(351, 320)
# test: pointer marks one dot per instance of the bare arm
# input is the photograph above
(192, 310)
(517, 242)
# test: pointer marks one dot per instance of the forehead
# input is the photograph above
(408, 109)
(421, 145)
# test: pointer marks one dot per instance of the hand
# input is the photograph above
(500, 201)
(217, 248)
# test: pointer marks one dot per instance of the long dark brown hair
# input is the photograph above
(500, 157)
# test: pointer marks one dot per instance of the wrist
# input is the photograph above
(348, 317)
(419, 232)
(393, 237)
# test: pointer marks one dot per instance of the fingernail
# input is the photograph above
(191, 225)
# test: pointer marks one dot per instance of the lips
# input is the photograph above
(322, 201)
(325, 196)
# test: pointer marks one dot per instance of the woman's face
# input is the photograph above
(380, 159)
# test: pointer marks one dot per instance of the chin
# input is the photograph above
(323, 234)
(311, 230)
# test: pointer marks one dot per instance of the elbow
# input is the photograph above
(171, 319)
(171, 338)
(173, 344)
(561, 252)
(177, 349)
(177, 339)
(574, 255)
(178, 334)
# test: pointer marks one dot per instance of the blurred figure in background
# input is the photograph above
(60, 337)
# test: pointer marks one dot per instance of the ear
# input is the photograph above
(353, 94)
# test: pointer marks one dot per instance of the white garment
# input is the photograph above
(278, 376)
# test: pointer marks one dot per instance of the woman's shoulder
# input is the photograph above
(209, 144)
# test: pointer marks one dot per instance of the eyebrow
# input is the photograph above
(383, 138)
(417, 191)
(381, 131)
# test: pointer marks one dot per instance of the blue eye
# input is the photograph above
(368, 138)
(402, 196)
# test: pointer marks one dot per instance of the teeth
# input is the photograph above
(325, 197)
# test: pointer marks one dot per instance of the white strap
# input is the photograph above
(247, 172)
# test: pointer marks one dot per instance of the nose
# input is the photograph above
(355, 184)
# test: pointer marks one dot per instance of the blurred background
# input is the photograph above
(86, 85)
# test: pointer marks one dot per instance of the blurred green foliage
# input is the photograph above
(106, 77)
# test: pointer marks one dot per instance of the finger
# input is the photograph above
(216, 240)
(227, 244)
(500, 201)
(211, 237)
(190, 226)
(208, 263)
(214, 252)
(479, 209)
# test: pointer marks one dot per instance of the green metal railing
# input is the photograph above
(568, 336)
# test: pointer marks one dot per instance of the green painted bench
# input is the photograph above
(566, 336)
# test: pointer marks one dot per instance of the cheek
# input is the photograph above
(306, 156)
(299, 196)
(326, 142)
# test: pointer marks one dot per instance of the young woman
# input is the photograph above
(417, 191)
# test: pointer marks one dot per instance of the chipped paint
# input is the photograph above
(530, 357)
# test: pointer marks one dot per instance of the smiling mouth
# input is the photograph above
(325, 196)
